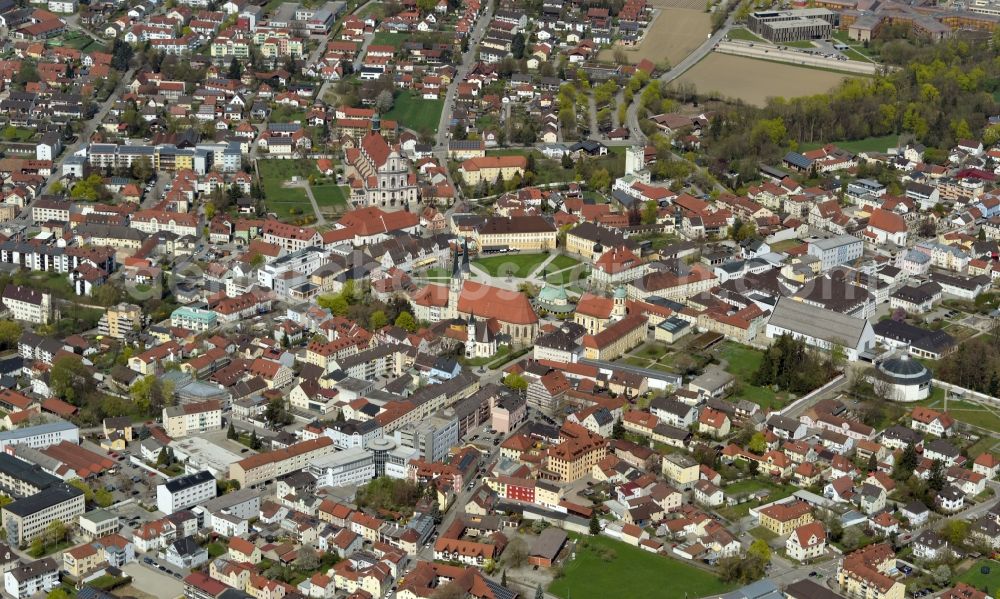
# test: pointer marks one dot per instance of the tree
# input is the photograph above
(26, 74)
(235, 70)
(231, 433)
(758, 443)
(936, 479)
(956, 531)
(942, 575)
(566, 161)
(384, 101)
(600, 180)
(255, 442)
(650, 212)
(307, 560)
(10, 333)
(58, 593)
(872, 463)
(515, 382)
(852, 538)
(70, 380)
(907, 463)
(56, 532)
(595, 525)
(517, 45)
(406, 322)
(163, 459)
(516, 553)
(275, 413)
(539, 594)
(103, 498)
(503, 578)
(759, 549)
(377, 320)
(337, 304)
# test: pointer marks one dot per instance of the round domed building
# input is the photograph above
(906, 379)
(554, 300)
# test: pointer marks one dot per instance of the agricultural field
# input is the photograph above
(684, 24)
(414, 112)
(608, 568)
(754, 81)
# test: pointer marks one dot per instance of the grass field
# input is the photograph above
(975, 576)
(754, 81)
(285, 202)
(567, 276)
(743, 362)
(608, 568)
(785, 245)
(330, 195)
(744, 35)
(562, 261)
(414, 112)
(868, 144)
(674, 33)
(511, 265)
(735, 512)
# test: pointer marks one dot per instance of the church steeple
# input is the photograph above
(466, 269)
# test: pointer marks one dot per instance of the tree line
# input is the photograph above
(942, 93)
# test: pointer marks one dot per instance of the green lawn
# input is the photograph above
(763, 534)
(11, 133)
(331, 195)
(608, 568)
(286, 202)
(562, 261)
(855, 55)
(414, 112)
(743, 363)
(975, 576)
(799, 44)
(386, 38)
(744, 35)
(567, 276)
(868, 144)
(511, 265)
(215, 549)
(735, 512)
(437, 273)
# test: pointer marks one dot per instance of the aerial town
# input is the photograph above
(499, 299)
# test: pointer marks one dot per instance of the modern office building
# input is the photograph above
(355, 466)
(792, 25)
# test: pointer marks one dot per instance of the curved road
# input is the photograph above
(632, 116)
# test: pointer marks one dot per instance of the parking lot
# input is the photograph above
(153, 582)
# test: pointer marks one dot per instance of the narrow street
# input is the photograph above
(468, 60)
